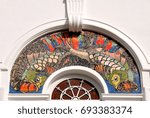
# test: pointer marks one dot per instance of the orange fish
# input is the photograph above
(100, 40)
(75, 42)
(108, 46)
(28, 87)
(59, 41)
(51, 48)
(127, 86)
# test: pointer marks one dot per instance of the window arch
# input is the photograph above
(53, 51)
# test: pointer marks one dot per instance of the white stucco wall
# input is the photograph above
(17, 17)
(20, 16)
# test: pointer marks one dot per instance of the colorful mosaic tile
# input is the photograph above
(53, 51)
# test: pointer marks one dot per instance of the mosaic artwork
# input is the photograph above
(53, 51)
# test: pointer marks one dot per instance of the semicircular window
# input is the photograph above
(53, 51)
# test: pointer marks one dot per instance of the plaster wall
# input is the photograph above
(19, 16)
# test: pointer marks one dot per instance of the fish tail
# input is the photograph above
(100, 40)
(108, 46)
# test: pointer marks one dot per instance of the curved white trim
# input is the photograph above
(31, 35)
(75, 72)
(88, 24)
(122, 38)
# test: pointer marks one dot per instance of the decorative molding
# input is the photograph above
(105, 97)
(88, 24)
(28, 97)
(75, 72)
(126, 41)
(122, 97)
(2, 67)
(74, 12)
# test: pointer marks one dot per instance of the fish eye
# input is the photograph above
(115, 78)
(37, 79)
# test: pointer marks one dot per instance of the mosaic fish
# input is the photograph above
(47, 62)
(45, 57)
(116, 68)
(102, 42)
(33, 81)
(116, 71)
